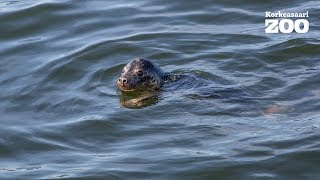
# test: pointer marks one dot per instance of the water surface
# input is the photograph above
(60, 111)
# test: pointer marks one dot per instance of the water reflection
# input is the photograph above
(138, 99)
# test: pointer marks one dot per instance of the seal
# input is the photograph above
(141, 81)
(141, 74)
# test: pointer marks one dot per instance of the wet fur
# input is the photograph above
(152, 77)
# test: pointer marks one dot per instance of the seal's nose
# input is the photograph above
(122, 80)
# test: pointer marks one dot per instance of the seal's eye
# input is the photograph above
(139, 73)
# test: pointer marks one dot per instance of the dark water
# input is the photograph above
(61, 116)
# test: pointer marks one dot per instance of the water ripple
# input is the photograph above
(249, 107)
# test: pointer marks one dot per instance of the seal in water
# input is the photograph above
(141, 74)
(141, 81)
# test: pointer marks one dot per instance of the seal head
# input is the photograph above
(140, 74)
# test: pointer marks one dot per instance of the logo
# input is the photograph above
(276, 22)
